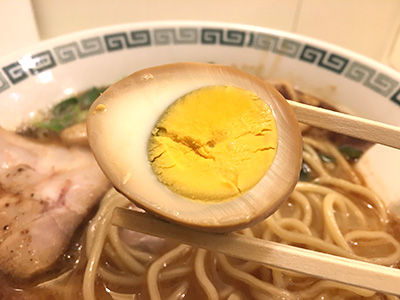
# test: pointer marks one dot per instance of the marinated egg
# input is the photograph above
(203, 145)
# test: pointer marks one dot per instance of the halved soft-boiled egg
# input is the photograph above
(203, 145)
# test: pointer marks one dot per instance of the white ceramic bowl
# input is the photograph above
(42, 75)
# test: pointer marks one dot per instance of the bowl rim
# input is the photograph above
(51, 54)
(198, 23)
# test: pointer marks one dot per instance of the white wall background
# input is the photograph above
(370, 27)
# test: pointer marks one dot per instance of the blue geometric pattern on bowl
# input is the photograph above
(380, 83)
(78, 50)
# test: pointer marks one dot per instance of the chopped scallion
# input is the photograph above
(305, 172)
(350, 152)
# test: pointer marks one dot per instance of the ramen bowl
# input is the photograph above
(36, 78)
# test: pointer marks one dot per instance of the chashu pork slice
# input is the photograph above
(46, 191)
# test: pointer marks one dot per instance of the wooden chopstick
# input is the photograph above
(357, 127)
(326, 266)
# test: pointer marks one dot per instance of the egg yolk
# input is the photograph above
(214, 143)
